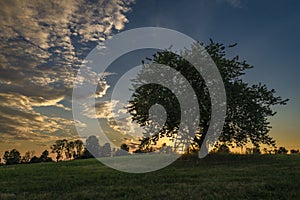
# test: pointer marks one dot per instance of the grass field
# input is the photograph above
(215, 177)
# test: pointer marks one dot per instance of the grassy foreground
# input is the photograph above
(214, 177)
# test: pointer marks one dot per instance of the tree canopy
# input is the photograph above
(71, 149)
(248, 106)
(12, 157)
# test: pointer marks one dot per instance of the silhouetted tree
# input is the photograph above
(69, 148)
(45, 157)
(124, 147)
(58, 148)
(281, 150)
(35, 159)
(248, 106)
(27, 157)
(123, 151)
(86, 154)
(92, 145)
(266, 151)
(6, 156)
(78, 149)
(12, 157)
(254, 150)
(146, 149)
(105, 150)
(294, 151)
(223, 148)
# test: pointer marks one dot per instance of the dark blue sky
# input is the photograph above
(267, 33)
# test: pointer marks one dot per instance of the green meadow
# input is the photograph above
(214, 177)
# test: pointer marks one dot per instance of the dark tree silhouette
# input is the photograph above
(35, 159)
(294, 151)
(124, 147)
(92, 145)
(45, 157)
(6, 156)
(222, 148)
(86, 154)
(105, 150)
(78, 149)
(281, 150)
(123, 151)
(69, 149)
(27, 157)
(12, 157)
(254, 150)
(248, 106)
(59, 148)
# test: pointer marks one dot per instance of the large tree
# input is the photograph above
(27, 157)
(248, 106)
(12, 157)
(78, 149)
(71, 149)
(93, 146)
(59, 148)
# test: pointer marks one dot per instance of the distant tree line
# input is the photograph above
(66, 150)
(72, 150)
(223, 148)
(14, 157)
